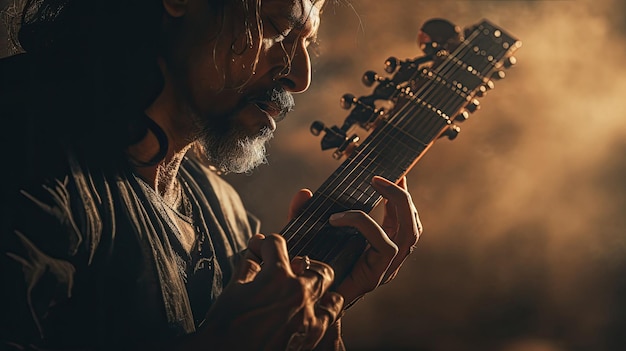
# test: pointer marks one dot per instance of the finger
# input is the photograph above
(326, 312)
(253, 251)
(374, 234)
(409, 227)
(402, 183)
(370, 269)
(246, 271)
(275, 256)
(329, 307)
(390, 220)
(298, 201)
(408, 223)
(300, 264)
(318, 277)
(250, 262)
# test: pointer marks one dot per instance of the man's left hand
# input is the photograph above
(389, 243)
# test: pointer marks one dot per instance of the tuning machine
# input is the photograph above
(371, 77)
(464, 115)
(334, 137)
(346, 147)
(451, 132)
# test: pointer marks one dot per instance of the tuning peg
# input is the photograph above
(391, 64)
(370, 77)
(510, 61)
(452, 132)
(482, 91)
(462, 117)
(347, 100)
(347, 144)
(334, 136)
(497, 75)
(317, 127)
(473, 106)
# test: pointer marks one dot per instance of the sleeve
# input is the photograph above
(35, 260)
(47, 240)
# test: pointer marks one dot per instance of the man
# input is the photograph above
(115, 233)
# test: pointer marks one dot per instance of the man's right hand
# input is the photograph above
(273, 305)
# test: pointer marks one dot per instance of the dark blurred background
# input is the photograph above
(525, 212)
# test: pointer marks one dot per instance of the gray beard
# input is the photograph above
(232, 150)
(229, 147)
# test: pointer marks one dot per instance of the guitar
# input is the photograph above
(427, 95)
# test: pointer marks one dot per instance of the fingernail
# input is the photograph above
(380, 181)
(336, 216)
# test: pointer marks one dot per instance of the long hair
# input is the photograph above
(98, 60)
(89, 68)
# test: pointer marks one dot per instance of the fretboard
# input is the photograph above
(421, 114)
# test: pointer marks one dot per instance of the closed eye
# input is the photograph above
(279, 35)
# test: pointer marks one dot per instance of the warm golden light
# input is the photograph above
(524, 213)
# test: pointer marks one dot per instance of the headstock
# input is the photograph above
(457, 68)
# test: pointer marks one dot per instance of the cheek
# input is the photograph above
(206, 80)
(219, 76)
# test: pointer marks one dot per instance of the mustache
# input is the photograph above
(282, 100)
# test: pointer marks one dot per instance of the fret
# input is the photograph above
(348, 195)
(306, 222)
(453, 87)
(409, 134)
(467, 71)
(303, 229)
(480, 59)
(397, 140)
(469, 76)
(477, 55)
(450, 94)
(331, 242)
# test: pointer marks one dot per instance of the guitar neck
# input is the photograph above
(423, 110)
(388, 152)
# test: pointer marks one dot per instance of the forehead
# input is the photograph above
(297, 12)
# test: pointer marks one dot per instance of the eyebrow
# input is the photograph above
(297, 22)
(300, 22)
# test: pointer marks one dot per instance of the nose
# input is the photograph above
(295, 76)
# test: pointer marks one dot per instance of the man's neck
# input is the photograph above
(171, 119)
(162, 176)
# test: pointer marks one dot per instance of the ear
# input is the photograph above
(175, 8)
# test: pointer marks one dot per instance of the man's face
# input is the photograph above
(230, 73)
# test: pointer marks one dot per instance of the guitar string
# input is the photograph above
(428, 90)
(362, 193)
(354, 189)
(357, 188)
(383, 131)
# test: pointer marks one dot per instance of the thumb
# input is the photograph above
(250, 263)
(246, 271)
(298, 201)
